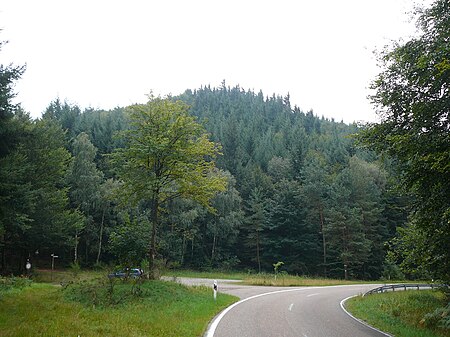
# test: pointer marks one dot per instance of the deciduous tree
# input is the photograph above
(167, 155)
(413, 98)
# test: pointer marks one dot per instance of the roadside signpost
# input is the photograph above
(28, 267)
(215, 289)
(53, 264)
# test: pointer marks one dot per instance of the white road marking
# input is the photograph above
(360, 320)
(215, 323)
(312, 295)
(290, 307)
(213, 326)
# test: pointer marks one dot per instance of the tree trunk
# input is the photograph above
(324, 243)
(75, 258)
(3, 260)
(86, 252)
(258, 258)
(100, 238)
(213, 248)
(154, 222)
(183, 249)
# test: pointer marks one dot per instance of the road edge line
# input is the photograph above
(360, 320)
(211, 329)
(213, 326)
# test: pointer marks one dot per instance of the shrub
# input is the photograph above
(104, 292)
(10, 283)
(440, 318)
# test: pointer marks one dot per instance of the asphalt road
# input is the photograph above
(287, 312)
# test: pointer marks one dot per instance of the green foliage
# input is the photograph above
(288, 236)
(290, 186)
(8, 284)
(85, 191)
(163, 309)
(84, 178)
(65, 276)
(412, 94)
(440, 318)
(167, 155)
(34, 208)
(8, 136)
(128, 242)
(102, 293)
(65, 114)
(224, 224)
(283, 279)
(403, 313)
(277, 266)
(391, 271)
(75, 269)
(256, 224)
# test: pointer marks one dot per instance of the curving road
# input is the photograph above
(289, 312)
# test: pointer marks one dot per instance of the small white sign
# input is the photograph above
(215, 289)
(28, 266)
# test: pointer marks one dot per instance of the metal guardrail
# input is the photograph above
(392, 287)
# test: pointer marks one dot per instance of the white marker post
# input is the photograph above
(53, 264)
(28, 267)
(215, 290)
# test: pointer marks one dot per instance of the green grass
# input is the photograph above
(400, 313)
(284, 280)
(263, 279)
(160, 309)
(206, 274)
(13, 285)
(64, 276)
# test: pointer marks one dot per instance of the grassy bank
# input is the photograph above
(401, 313)
(155, 309)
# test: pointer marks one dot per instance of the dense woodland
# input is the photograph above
(301, 189)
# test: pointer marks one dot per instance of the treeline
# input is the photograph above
(299, 191)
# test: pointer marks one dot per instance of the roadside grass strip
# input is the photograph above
(401, 313)
(161, 309)
(285, 280)
(206, 274)
(264, 279)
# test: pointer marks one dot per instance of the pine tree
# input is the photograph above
(256, 224)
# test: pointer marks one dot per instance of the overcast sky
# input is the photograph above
(104, 54)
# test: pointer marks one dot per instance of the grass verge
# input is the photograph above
(263, 279)
(283, 280)
(65, 276)
(206, 274)
(401, 313)
(159, 309)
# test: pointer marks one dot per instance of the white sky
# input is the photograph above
(107, 53)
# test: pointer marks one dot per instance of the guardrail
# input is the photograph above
(392, 287)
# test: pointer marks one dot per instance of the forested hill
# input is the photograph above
(255, 131)
(300, 192)
(311, 198)
(85, 185)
